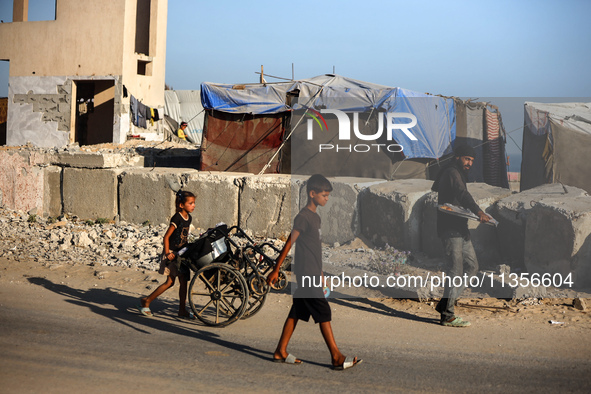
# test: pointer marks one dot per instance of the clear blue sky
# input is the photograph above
(460, 48)
(506, 48)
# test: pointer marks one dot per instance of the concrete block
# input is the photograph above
(97, 160)
(21, 180)
(484, 237)
(264, 205)
(90, 193)
(52, 191)
(558, 238)
(148, 194)
(391, 212)
(511, 213)
(298, 194)
(216, 197)
(340, 215)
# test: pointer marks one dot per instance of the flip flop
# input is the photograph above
(145, 311)
(348, 363)
(290, 359)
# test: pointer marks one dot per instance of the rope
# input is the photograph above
(290, 132)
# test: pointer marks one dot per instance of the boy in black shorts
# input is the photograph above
(309, 301)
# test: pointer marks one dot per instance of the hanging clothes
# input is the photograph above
(141, 113)
(133, 103)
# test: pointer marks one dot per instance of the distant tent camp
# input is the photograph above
(185, 106)
(556, 145)
(262, 127)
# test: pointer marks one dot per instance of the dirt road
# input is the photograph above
(74, 328)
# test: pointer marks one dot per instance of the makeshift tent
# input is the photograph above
(556, 145)
(185, 106)
(480, 125)
(279, 110)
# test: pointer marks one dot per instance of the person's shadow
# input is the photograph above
(377, 307)
(370, 306)
(121, 308)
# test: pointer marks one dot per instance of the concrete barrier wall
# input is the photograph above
(512, 211)
(391, 213)
(52, 191)
(558, 237)
(546, 229)
(148, 194)
(216, 197)
(340, 216)
(90, 193)
(22, 180)
(265, 205)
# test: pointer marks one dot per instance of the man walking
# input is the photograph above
(450, 186)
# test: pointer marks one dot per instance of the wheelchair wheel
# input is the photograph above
(257, 295)
(281, 283)
(218, 295)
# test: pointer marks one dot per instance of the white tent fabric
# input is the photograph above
(185, 106)
(576, 116)
(556, 144)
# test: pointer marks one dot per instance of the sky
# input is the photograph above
(500, 50)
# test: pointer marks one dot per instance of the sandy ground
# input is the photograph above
(511, 347)
(489, 310)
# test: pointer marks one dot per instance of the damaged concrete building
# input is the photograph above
(72, 79)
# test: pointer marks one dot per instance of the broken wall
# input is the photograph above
(546, 230)
(87, 41)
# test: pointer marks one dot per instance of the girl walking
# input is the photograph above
(170, 263)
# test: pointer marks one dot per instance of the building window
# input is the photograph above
(144, 67)
(42, 10)
(142, 27)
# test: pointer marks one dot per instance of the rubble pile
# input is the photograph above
(68, 240)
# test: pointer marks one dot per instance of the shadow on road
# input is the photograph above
(379, 308)
(121, 308)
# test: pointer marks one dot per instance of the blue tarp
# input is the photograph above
(435, 128)
(245, 99)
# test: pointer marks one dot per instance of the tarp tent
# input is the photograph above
(556, 145)
(232, 143)
(480, 125)
(185, 106)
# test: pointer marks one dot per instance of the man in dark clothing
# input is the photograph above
(450, 185)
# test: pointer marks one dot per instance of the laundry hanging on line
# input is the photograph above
(141, 114)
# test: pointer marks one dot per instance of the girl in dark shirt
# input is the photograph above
(174, 239)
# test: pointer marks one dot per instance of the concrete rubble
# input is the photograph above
(71, 240)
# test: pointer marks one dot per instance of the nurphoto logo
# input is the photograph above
(344, 132)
